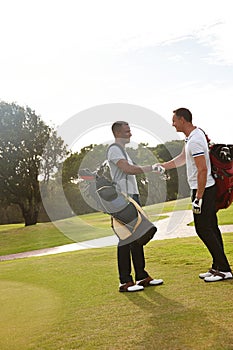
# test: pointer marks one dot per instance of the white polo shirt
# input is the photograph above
(196, 145)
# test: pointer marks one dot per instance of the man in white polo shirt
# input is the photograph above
(196, 156)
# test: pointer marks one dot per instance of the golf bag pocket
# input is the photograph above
(221, 157)
(131, 224)
(120, 229)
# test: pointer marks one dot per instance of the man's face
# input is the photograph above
(124, 133)
(178, 123)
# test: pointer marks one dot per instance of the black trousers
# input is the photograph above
(206, 225)
(130, 251)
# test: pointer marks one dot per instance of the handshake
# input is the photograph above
(158, 168)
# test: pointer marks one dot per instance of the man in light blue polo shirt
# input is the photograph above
(123, 173)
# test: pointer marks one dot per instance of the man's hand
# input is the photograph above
(158, 169)
(196, 205)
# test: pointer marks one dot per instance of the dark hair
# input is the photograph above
(117, 125)
(185, 113)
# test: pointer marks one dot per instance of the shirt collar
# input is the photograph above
(190, 135)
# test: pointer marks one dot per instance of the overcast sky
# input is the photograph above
(62, 57)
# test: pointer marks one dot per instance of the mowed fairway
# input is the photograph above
(71, 301)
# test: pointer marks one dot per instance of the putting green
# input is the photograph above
(26, 311)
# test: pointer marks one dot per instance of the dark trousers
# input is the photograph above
(206, 225)
(124, 255)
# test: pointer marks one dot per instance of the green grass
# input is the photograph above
(166, 207)
(225, 216)
(20, 239)
(71, 301)
(17, 238)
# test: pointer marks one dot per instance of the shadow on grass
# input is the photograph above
(172, 325)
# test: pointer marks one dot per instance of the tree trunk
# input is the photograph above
(30, 211)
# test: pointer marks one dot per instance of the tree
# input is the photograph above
(90, 157)
(23, 137)
(177, 186)
(73, 162)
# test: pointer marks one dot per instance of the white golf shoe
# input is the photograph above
(219, 276)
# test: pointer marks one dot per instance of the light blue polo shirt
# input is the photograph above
(124, 182)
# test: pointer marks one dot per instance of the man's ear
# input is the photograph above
(117, 134)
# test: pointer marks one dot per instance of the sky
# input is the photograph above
(66, 56)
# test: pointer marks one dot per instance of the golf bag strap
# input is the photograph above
(119, 146)
(206, 136)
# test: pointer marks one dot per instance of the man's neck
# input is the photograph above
(120, 142)
(189, 129)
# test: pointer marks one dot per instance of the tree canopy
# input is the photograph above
(23, 139)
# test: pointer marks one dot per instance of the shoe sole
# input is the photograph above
(154, 285)
(131, 291)
(223, 279)
(150, 285)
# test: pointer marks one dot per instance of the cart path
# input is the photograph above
(175, 226)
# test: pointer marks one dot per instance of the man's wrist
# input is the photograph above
(198, 196)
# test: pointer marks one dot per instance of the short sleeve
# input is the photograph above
(115, 154)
